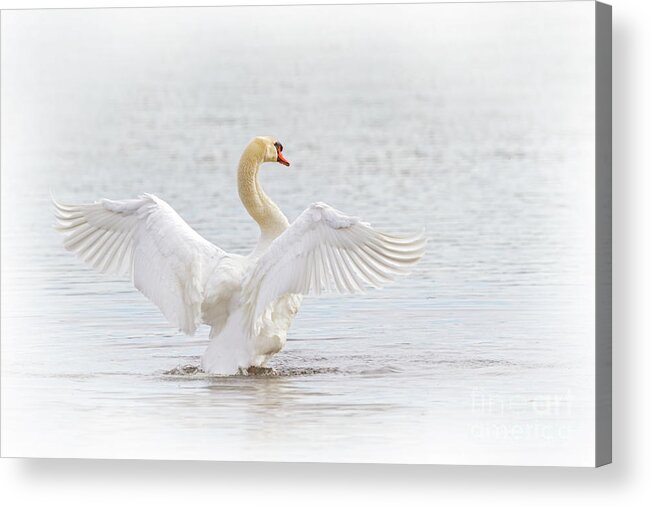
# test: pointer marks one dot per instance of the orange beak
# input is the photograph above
(282, 160)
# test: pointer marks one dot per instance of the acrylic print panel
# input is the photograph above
(472, 122)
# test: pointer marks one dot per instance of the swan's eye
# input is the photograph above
(278, 146)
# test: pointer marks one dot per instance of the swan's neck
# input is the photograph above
(262, 209)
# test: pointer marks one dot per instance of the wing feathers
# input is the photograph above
(148, 241)
(325, 250)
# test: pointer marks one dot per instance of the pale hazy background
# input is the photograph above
(472, 121)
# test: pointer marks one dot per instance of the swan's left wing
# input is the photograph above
(146, 240)
(326, 250)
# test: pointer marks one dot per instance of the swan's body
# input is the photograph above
(248, 301)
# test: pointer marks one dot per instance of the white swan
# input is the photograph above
(249, 301)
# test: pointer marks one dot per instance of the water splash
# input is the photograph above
(189, 371)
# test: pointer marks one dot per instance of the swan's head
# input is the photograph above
(272, 150)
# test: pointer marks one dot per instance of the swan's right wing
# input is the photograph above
(146, 240)
(326, 250)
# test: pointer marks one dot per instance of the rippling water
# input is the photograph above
(473, 122)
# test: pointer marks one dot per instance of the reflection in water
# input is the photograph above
(475, 145)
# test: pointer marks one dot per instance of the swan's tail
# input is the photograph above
(229, 351)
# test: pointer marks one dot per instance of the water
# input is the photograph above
(474, 122)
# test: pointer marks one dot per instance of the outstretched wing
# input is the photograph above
(325, 250)
(146, 240)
